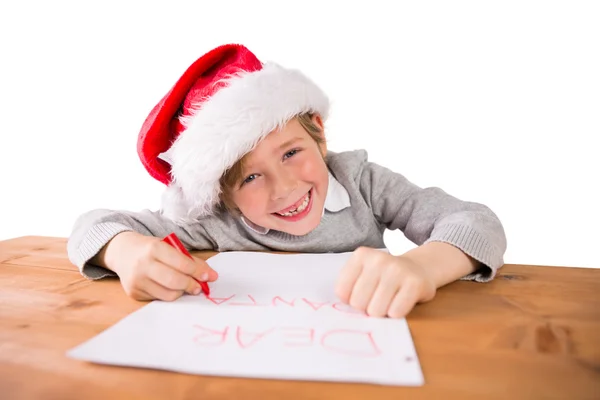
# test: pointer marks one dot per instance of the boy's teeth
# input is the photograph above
(300, 208)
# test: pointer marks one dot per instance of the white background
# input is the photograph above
(495, 102)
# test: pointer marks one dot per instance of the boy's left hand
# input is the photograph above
(382, 284)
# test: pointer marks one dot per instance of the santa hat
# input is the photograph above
(218, 111)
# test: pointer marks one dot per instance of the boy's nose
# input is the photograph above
(283, 185)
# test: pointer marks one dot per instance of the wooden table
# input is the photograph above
(533, 333)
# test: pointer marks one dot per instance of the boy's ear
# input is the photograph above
(317, 120)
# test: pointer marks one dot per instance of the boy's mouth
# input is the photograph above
(298, 209)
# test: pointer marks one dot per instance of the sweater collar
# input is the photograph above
(336, 200)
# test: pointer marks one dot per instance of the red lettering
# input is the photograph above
(210, 337)
(351, 342)
(307, 334)
(219, 300)
(315, 306)
(252, 303)
(289, 303)
(346, 309)
(254, 337)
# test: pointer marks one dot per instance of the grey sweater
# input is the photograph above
(379, 199)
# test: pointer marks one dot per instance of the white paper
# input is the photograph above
(268, 316)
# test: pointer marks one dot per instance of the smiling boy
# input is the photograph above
(241, 146)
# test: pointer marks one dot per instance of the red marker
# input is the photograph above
(173, 240)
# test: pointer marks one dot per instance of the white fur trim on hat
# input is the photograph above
(227, 126)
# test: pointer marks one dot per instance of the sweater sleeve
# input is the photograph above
(430, 214)
(94, 229)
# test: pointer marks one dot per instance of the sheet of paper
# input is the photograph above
(268, 316)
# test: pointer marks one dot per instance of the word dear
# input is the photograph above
(346, 341)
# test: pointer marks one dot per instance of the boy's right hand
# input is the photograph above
(151, 269)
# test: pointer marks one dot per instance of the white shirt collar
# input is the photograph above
(336, 200)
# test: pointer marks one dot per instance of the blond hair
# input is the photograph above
(235, 174)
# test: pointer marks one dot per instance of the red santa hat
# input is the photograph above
(218, 111)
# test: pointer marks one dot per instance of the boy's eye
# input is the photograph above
(250, 178)
(290, 153)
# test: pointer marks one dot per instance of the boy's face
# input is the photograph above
(285, 181)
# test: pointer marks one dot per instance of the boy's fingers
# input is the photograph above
(212, 274)
(193, 267)
(170, 278)
(403, 302)
(348, 276)
(382, 298)
(159, 292)
(363, 289)
(193, 287)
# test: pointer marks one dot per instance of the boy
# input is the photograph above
(241, 147)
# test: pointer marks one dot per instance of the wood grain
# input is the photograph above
(532, 333)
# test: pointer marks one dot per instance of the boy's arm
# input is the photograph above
(443, 262)
(93, 230)
(431, 215)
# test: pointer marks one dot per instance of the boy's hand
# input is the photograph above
(382, 284)
(152, 269)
